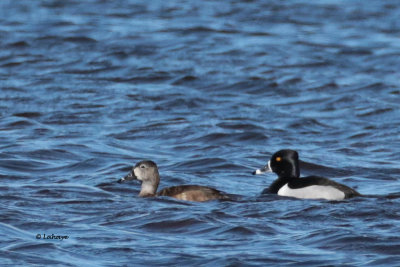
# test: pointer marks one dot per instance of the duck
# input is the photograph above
(146, 171)
(285, 163)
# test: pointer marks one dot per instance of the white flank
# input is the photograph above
(312, 192)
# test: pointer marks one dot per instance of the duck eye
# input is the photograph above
(278, 159)
(142, 166)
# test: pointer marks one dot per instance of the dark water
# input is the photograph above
(208, 90)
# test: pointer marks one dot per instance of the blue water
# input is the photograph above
(208, 90)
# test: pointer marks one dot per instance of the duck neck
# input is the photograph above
(148, 189)
(278, 183)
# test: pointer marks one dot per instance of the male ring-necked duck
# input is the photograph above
(285, 163)
(147, 172)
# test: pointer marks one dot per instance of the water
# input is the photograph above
(208, 90)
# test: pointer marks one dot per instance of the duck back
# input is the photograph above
(193, 193)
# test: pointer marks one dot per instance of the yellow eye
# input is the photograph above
(278, 159)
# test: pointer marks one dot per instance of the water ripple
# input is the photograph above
(209, 90)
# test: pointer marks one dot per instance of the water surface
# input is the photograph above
(208, 90)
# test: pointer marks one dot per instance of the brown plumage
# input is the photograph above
(147, 172)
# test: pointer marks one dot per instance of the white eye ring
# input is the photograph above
(142, 166)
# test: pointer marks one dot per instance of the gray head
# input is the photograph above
(145, 171)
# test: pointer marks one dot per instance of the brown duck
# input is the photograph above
(147, 172)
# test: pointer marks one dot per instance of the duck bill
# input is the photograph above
(130, 176)
(266, 168)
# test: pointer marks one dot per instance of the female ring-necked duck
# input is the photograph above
(147, 172)
(285, 163)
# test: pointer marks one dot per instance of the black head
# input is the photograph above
(285, 163)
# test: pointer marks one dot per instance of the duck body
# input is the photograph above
(147, 172)
(285, 164)
(311, 187)
(193, 193)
